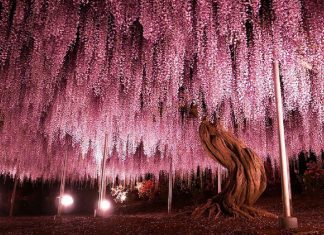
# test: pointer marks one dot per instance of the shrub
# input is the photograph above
(313, 177)
(146, 189)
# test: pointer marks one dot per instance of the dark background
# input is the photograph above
(40, 197)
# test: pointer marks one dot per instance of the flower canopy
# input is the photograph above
(74, 71)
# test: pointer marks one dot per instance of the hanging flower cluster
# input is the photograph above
(73, 71)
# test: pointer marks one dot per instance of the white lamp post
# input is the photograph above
(219, 178)
(62, 187)
(103, 204)
(287, 221)
(170, 187)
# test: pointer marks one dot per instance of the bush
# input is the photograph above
(313, 177)
(146, 189)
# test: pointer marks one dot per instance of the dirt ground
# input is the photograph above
(308, 209)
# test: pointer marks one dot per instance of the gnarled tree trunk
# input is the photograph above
(246, 174)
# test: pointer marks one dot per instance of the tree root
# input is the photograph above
(259, 212)
(213, 209)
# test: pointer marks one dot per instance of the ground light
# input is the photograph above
(66, 200)
(104, 208)
(104, 205)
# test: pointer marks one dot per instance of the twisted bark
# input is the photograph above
(246, 174)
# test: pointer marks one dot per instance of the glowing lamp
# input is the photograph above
(67, 200)
(104, 205)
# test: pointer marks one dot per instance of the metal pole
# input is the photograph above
(201, 179)
(102, 186)
(287, 221)
(13, 195)
(219, 178)
(170, 187)
(62, 186)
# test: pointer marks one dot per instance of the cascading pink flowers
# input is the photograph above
(77, 70)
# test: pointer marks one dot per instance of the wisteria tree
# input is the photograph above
(73, 71)
(247, 177)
